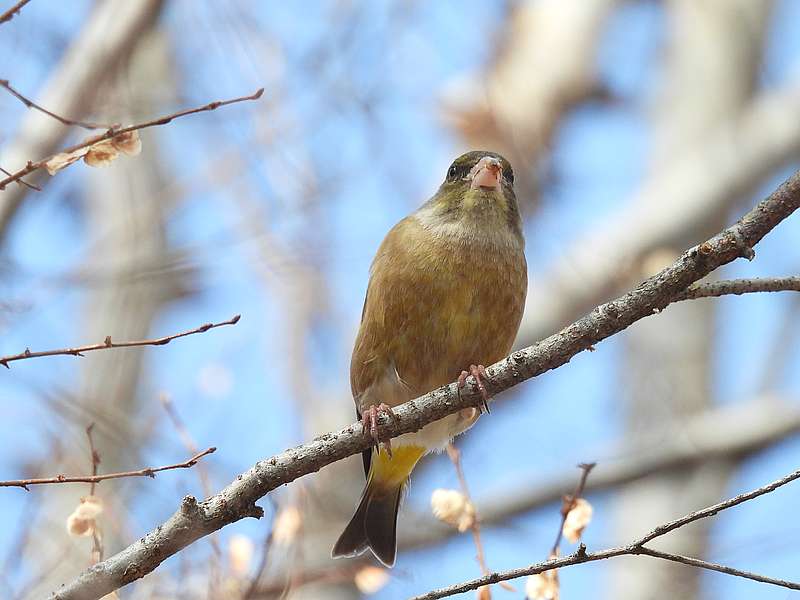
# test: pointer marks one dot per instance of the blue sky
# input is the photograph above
(399, 65)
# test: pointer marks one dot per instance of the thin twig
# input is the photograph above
(716, 508)
(186, 439)
(568, 503)
(202, 472)
(95, 457)
(22, 181)
(737, 287)
(98, 551)
(13, 11)
(31, 104)
(107, 343)
(633, 549)
(34, 166)
(710, 566)
(455, 457)
(146, 472)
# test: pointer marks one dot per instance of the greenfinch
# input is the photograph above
(445, 296)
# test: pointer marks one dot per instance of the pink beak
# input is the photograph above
(486, 174)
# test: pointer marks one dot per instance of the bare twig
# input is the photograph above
(202, 472)
(107, 343)
(737, 287)
(20, 181)
(98, 551)
(569, 503)
(635, 548)
(95, 457)
(11, 12)
(195, 520)
(455, 457)
(710, 511)
(187, 440)
(729, 433)
(31, 104)
(33, 166)
(146, 472)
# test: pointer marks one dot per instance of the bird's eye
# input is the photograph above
(510, 176)
(452, 172)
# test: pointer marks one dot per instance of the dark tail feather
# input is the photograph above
(373, 526)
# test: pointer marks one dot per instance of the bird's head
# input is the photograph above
(479, 186)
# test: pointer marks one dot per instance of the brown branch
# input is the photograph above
(112, 132)
(635, 548)
(569, 503)
(738, 287)
(729, 433)
(107, 343)
(194, 520)
(13, 11)
(205, 481)
(455, 457)
(31, 104)
(146, 472)
(28, 185)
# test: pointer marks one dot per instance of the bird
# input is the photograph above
(445, 297)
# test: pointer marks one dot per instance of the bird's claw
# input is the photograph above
(479, 373)
(370, 423)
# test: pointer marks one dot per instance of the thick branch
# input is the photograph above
(113, 132)
(635, 548)
(108, 343)
(193, 521)
(146, 472)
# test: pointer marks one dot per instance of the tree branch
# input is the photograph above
(635, 548)
(13, 11)
(715, 289)
(113, 132)
(107, 343)
(93, 479)
(31, 104)
(194, 520)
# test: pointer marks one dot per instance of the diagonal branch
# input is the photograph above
(13, 11)
(113, 132)
(108, 343)
(194, 520)
(31, 104)
(94, 478)
(635, 548)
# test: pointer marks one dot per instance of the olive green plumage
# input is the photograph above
(446, 291)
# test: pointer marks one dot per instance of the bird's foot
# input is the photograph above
(479, 373)
(370, 421)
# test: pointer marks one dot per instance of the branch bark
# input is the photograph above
(194, 520)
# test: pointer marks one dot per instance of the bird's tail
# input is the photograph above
(374, 524)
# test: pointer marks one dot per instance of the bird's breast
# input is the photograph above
(440, 298)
